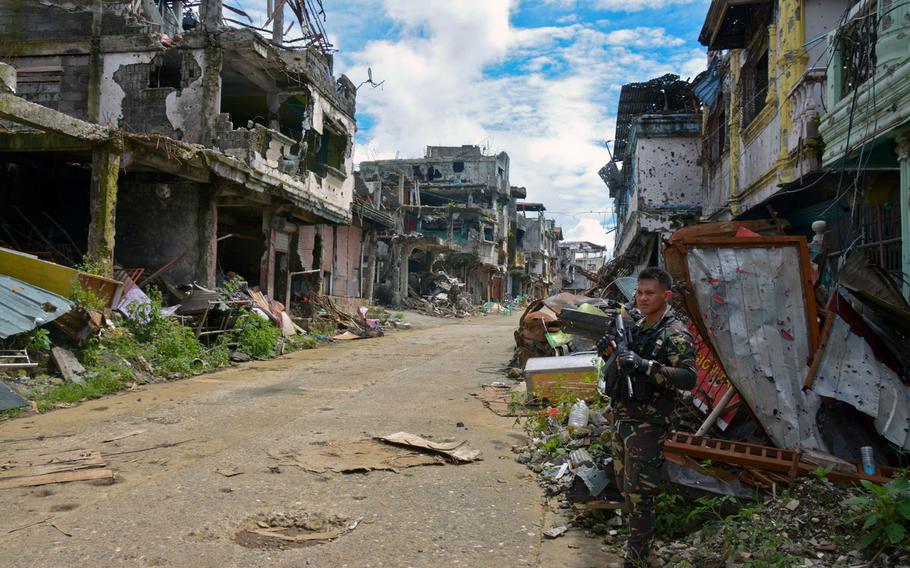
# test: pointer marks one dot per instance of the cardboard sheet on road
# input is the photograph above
(389, 453)
(354, 457)
(457, 451)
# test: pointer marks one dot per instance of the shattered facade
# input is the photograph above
(183, 145)
(455, 202)
(763, 94)
(534, 257)
(657, 190)
(580, 262)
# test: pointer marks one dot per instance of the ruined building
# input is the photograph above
(153, 135)
(580, 262)
(805, 119)
(534, 266)
(456, 209)
(658, 188)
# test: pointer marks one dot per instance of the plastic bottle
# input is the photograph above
(868, 460)
(578, 416)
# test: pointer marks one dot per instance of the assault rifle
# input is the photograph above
(594, 327)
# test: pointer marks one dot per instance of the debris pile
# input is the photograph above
(825, 392)
(446, 299)
(72, 335)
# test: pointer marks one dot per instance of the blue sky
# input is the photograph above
(538, 79)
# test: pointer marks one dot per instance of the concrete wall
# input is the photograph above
(59, 82)
(821, 17)
(667, 172)
(158, 221)
(129, 101)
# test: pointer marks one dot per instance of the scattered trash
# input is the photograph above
(555, 532)
(291, 530)
(458, 452)
(354, 457)
(74, 465)
(122, 436)
(228, 471)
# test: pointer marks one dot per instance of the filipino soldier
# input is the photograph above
(644, 390)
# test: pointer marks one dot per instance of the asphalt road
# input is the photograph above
(170, 507)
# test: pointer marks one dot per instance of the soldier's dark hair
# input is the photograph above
(659, 274)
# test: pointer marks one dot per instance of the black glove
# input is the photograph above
(603, 344)
(631, 361)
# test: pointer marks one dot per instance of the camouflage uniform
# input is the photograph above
(642, 422)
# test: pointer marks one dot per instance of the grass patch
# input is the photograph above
(69, 393)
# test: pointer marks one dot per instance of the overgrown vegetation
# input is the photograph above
(151, 346)
(678, 515)
(885, 513)
(255, 336)
(85, 300)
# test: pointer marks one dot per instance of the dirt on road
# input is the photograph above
(235, 449)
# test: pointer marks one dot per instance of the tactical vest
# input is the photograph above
(649, 399)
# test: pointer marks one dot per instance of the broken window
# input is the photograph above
(165, 72)
(753, 86)
(755, 90)
(488, 233)
(458, 167)
(330, 154)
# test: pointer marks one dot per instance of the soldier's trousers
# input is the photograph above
(637, 463)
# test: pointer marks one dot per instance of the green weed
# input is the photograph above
(255, 336)
(885, 512)
(39, 339)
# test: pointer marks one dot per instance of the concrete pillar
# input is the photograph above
(395, 246)
(903, 157)
(406, 251)
(103, 204)
(211, 13)
(207, 265)
(278, 26)
(369, 274)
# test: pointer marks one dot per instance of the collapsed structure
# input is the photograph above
(460, 215)
(775, 188)
(151, 135)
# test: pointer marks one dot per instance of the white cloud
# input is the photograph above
(589, 229)
(459, 73)
(643, 37)
(619, 5)
(636, 5)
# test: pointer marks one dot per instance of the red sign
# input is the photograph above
(712, 383)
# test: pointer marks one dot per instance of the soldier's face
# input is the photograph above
(651, 298)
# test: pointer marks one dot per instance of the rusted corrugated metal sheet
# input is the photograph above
(306, 239)
(752, 300)
(355, 242)
(327, 235)
(24, 307)
(347, 261)
(850, 372)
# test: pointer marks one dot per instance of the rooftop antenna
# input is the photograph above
(607, 146)
(369, 80)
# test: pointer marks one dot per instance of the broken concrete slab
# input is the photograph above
(70, 367)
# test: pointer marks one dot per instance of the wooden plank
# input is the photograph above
(42, 465)
(70, 367)
(60, 477)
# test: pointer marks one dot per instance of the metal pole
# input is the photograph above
(716, 411)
